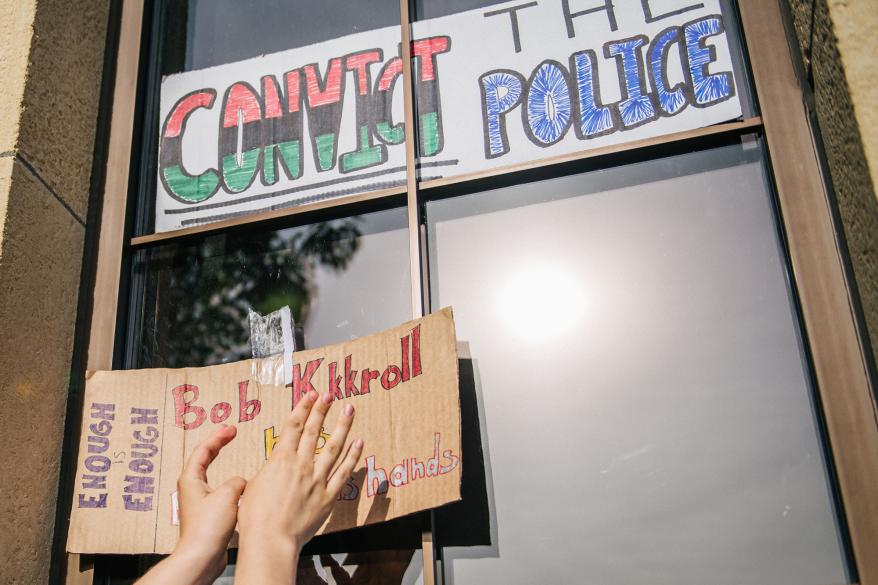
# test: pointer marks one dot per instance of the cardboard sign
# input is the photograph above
(140, 426)
(505, 84)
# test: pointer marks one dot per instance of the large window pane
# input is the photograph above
(646, 410)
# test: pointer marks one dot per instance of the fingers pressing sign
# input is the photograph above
(293, 494)
(291, 432)
(308, 442)
(282, 507)
(334, 445)
(207, 519)
(208, 516)
(301, 432)
(195, 471)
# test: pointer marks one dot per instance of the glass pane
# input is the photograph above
(426, 9)
(507, 83)
(204, 33)
(197, 295)
(645, 404)
(392, 567)
(397, 567)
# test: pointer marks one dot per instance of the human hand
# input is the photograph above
(207, 519)
(292, 495)
(207, 516)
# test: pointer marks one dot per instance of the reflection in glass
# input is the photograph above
(341, 279)
(394, 567)
(646, 411)
(391, 567)
(204, 33)
(424, 9)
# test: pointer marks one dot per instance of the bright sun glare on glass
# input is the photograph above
(539, 303)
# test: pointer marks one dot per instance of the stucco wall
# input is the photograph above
(15, 25)
(51, 60)
(855, 23)
(838, 40)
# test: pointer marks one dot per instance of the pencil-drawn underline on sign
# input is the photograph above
(299, 189)
(303, 200)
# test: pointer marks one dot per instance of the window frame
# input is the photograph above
(833, 332)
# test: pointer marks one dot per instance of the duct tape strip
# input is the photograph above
(272, 334)
(289, 340)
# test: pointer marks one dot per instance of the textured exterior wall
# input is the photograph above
(15, 33)
(16, 20)
(51, 60)
(855, 23)
(839, 45)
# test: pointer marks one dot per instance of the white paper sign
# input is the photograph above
(501, 85)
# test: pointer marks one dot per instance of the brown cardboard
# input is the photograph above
(133, 448)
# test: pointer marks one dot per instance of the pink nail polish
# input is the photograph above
(312, 395)
(358, 443)
(348, 409)
(327, 398)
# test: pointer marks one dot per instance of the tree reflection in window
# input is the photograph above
(196, 310)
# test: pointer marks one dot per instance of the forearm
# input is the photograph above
(184, 569)
(266, 561)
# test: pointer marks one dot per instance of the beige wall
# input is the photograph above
(855, 23)
(51, 59)
(841, 53)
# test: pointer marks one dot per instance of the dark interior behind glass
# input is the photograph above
(204, 33)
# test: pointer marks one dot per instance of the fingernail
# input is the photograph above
(312, 395)
(348, 409)
(327, 398)
(358, 444)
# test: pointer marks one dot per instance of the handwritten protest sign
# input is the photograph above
(505, 84)
(139, 426)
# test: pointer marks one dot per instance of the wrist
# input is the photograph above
(266, 560)
(274, 544)
(208, 564)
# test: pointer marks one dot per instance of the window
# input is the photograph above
(655, 424)
(672, 285)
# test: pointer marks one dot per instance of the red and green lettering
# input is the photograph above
(180, 184)
(241, 117)
(424, 52)
(324, 107)
(281, 128)
(367, 153)
(382, 104)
